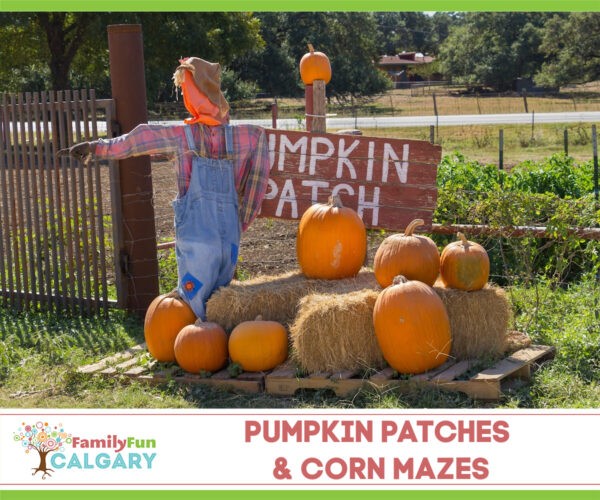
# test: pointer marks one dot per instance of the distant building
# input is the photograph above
(401, 67)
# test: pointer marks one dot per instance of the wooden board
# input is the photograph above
(136, 364)
(485, 384)
(389, 182)
(469, 377)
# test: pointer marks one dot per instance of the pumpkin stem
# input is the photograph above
(412, 226)
(311, 49)
(463, 239)
(258, 318)
(335, 201)
(399, 280)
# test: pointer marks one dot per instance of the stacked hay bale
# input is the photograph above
(330, 321)
(479, 321)
(275, 298)
(335, 332)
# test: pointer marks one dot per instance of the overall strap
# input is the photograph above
(190, 139)
(229, 140)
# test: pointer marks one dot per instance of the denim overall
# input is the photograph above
(207, 227)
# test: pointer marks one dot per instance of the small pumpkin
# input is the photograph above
(464, 265)
(414, 256)
(412, 326)
(201, 347)
(165, 317)
(258, 345)
(314, 65)
(331, 242)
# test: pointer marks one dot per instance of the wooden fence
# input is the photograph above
(57, 233)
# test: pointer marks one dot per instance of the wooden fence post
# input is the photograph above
(319, 107)
(138, 255)
(308, 106)
(501, 149)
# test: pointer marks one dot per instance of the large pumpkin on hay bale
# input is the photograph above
(464, 265)
(331, 242)
(258, 345)
(413, 256)
(201, 347)
(165, 317)
(412, 326)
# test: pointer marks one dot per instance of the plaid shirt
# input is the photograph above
(250, 158)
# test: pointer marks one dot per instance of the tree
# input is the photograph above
(404, 31)
(43, 439)
(493, 48)
(348, 39)
(571, 46)
(54, 50)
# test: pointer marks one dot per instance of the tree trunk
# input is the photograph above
(42, 467)
(64, 33)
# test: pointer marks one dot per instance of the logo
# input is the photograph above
(43, 439)
(58, 449)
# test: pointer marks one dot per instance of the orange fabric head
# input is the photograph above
(200, 83)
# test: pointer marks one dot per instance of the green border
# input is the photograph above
(297, 5)
(301, 495)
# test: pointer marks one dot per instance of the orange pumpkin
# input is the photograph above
(464, 265)
(314, 66)
(258, 345)
(331, 242)
(412, 326)
(165, 317)
(414, 256)
(201, 347)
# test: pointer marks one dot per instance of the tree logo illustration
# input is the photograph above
(44, 439)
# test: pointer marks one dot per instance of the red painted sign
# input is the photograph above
(389, 182)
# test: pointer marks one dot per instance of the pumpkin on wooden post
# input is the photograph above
(412, 326)
(315, 71)
(414, 256)
(331, 242)
(464, 265)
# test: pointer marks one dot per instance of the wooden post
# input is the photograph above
(319, 107)
(566, 141)
(308, 106)
(138, 255)
(525, 101)
(595, 159)
(274, 112)
(501, 149)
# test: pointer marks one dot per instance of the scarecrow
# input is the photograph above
(222, 175)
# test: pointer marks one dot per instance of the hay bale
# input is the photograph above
(478, 321)
(275, 297)
(335, 332)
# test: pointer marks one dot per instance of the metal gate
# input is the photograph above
(58, 234)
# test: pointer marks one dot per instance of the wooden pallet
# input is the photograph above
(485, 384)
(136, 364)
(468, 377)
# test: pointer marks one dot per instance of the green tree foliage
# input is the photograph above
(412, 31)
(67, 50)
(348, 39)
(493, 48)
(571, 45)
